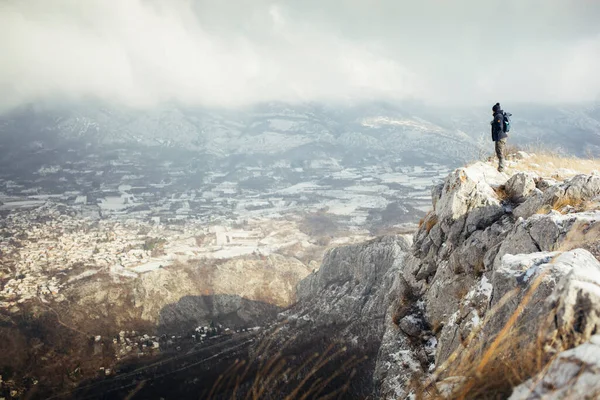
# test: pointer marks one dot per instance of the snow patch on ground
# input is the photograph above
(485, 287)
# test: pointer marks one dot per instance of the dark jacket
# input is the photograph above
(498, 126)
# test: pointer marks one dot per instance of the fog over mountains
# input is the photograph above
(143, 53)
(277, 127)
(183, 180)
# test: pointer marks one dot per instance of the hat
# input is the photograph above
(496, 107)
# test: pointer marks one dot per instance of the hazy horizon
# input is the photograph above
(141, 54)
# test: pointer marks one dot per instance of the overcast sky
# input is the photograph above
(236, 52)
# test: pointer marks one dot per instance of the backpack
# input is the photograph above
(506, 125)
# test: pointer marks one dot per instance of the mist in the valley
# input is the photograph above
(142, 53)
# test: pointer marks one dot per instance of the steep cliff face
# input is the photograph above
(340, 316)
(353, 285)
(501, 280)
(504, 269)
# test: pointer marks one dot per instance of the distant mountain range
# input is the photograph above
(352, 132)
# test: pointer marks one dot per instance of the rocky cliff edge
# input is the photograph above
(497, 293)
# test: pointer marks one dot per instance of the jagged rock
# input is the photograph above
(468, 235)
(411, 325)
(436, 193)
(582, 187)
(445, 293)
(569, 268)
(549, 232)
(348, 300)
(574, 270)
(400, 356)
(532, 205)
(563, 307)
(353, 281)
(396, 364)
(427, 268)
(520, 185)
(574, 374)
(467, 255)
(357, 268)
(473, 306)
(576, 190)
(412, 266)
(545, 183)
(521, 272)
(468, 201)
(470, 256)
(576, 300)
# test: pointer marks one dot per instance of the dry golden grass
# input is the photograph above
(562, 202)
(437, 327)
(269, 376)
(584, 235)
(500, 192)
(430, 223)
(511, 148)
(422, 220)
(569, 205)
(503, 196)
(491, 370)
(547, 164)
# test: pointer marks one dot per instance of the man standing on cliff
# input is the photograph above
(499, 134)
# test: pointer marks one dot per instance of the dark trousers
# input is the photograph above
(500, 146)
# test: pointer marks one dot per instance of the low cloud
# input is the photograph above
(144, 52)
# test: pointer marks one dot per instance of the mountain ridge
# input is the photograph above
(475, 272)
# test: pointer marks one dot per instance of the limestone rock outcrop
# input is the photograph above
(520, 185)
(351, 290)
(481, 270)
(572, 375)
(345, 304)
(502, 266)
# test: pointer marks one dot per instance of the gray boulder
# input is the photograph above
(576, 190)
(550, 232)
(520, 185)
(522, 272)
(582, 187)
(574, 374)
(576, 300)
(545, 183)
(468, 201)
(533, 204)
(411, 325)
(567, 285)
(565, 303)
